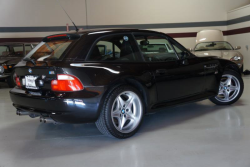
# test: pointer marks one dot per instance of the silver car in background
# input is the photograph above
(211, 43)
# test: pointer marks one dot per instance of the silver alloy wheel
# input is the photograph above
(229, 88)
(126, 112)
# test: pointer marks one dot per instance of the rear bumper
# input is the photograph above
(63, 110)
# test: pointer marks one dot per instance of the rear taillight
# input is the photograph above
(66, 83)
(18, 82)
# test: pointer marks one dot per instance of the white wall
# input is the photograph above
(242, 40)
(33, 13)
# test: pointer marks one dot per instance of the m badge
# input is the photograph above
(51, 72)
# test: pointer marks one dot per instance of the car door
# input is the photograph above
(176, 76)
(192, 71)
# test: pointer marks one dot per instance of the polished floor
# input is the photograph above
(193, 135)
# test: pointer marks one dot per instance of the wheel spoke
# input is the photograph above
(116, 113)
(221, 91)
(228, 81)
(130, 102)
(121, 101)
(226, 95)
(233, 88)
(130, 116)
(121, 121)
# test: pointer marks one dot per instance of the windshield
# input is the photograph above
(4, 51)
(49, 50)
(205, 46)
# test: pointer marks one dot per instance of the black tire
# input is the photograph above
(104, 122)
(238, 76)
(10, 81)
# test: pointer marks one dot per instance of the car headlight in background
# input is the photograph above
(6, 67)
(235, 58)
(1, 69)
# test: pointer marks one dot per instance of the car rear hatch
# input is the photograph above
(38, 69)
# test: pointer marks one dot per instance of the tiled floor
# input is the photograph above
(193, 135)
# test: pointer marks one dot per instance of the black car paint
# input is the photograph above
(161, 83)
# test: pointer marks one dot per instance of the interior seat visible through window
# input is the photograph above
(115, 48)
(155, 48)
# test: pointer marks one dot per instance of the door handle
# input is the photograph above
(184, 62)
(161, 71)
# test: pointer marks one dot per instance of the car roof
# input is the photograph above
(108, 30)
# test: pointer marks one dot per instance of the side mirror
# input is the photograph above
(237, 47)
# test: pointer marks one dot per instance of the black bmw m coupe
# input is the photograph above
(113, 77)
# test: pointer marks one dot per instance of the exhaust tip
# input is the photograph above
(21, 112)
(47, 120)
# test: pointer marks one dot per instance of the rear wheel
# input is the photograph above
(231, 89)
(122, 113)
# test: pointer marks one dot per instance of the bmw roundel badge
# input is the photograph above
(125, 38)
(30, 70)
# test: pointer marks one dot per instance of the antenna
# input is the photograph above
(68, 16)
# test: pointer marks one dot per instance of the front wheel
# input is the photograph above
(231, 89)
(122, 113)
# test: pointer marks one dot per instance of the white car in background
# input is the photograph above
(211, 43)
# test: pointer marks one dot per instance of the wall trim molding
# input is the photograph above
(139, 26)
(173, 35)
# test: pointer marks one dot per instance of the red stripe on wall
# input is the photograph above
(225, 33)
(173, 35)
(182, 35)
(237, 31)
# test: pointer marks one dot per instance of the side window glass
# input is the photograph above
(114, 48)
(155, 48)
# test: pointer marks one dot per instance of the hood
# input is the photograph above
(225, 54)
(209, 36)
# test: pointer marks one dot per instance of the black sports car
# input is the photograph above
(113, 77)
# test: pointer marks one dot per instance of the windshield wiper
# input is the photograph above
(30, 60)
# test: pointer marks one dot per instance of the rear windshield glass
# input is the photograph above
(49, 50)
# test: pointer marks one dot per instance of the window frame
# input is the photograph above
(133, 45)
(155, 34)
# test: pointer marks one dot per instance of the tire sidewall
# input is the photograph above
(108, 110)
